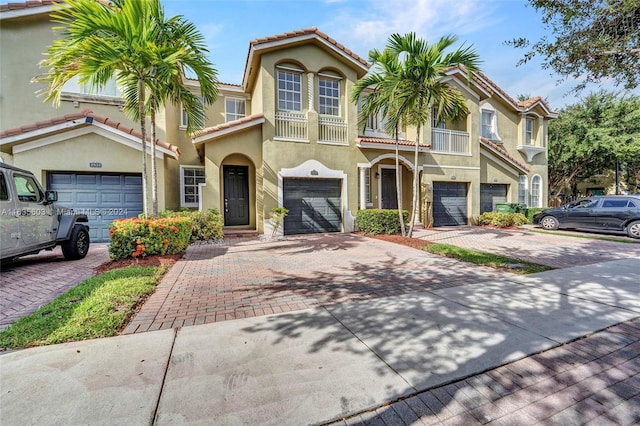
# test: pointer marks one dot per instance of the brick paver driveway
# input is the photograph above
(248, 278)
(34, 281)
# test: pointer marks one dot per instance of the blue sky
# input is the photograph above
(361, 25)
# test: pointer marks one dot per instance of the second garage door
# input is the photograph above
(449, 203)
(103, 197)
(314, 205)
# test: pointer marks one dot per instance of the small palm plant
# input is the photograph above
(277, 216)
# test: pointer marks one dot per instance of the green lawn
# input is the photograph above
(97, 307)
(486, 259)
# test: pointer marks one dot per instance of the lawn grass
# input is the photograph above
(97, 307)
(486, 259)
(587, 236)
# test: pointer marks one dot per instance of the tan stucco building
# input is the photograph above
(286, 136)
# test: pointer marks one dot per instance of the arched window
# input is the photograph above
(536, 191)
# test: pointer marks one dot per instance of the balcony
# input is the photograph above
(449, 141)
(291, 126)
(333, 130)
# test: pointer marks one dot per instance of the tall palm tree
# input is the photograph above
(376, 92)
(131, 40)
(416, 84)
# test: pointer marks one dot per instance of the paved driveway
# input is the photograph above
(34, 281)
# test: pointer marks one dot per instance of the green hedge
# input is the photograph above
(380, 221)
(206, 226)
(142, 237)
(502, 220)
(531, 211)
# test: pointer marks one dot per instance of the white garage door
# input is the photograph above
(103, 197)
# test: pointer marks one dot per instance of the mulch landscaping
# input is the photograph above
(416, 243)
(167, 261)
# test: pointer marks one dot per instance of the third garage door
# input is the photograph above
(313, 204)
(449, 203)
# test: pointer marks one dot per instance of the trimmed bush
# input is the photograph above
(206, 226)
(502, 220)
(380, 221)
(142, 237)
(532, 211)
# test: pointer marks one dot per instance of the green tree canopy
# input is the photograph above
(591, 136)
(592, 40)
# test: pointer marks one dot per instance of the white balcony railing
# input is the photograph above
(449, 141)
(332, 129)
(291, 125)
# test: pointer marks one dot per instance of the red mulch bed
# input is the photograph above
(167, 261)
(416, 243)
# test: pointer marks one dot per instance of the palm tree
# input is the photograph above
(415, 84)
(376, 93)
(131, 40)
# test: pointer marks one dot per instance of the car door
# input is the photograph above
(9, 223)
(614, 212)
(581, 213)
(34, 213)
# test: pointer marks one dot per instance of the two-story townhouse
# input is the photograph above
(286, 136)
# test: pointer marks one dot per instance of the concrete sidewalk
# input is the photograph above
(322, 364)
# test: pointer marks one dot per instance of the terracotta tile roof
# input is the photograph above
(307, 31)
(230, 124)
(387, 141)
(25, 5)
(486, 143)
(83, 115)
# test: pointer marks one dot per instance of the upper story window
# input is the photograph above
(489, 123)
(435, 122)
(184, 119)
(329, 95)
(235, 108)
(289, 90)
(528, 131)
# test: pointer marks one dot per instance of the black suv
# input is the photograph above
(607, 213)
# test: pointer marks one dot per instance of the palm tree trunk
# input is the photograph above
(399, 187)
(416, 188)
(154, 172)
(143, 131)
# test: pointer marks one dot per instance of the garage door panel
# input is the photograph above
(103, 197)
(449, 203)
(313, 204)
(492, 194)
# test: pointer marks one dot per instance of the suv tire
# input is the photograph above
(78, 244)
(633, 229)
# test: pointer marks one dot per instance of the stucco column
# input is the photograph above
(363, 196)
(311, 91)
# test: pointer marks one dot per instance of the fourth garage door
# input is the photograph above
(103, 197)
(313, 204)
(449, 203)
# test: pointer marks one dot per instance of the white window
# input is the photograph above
(528, 131)
(289, 91)
(235, 109)
(488, 123)
(536, 191)
(184, 120)
(367, 186)
(522, 190)
(329, 96)
(435, 123)
(190, 178)
(110, 89)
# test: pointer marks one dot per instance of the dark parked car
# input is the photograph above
(607, 213)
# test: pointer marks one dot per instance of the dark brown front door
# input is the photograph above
(388, 192)
(236, 195)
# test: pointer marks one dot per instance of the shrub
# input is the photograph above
(380, 221)
(277, 216)
(532, 211)
(206, 225)
(502, 220)
(142, 237)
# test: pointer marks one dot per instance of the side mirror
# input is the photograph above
(51, 196)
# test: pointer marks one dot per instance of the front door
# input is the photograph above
(389, 195)
(236, 195)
